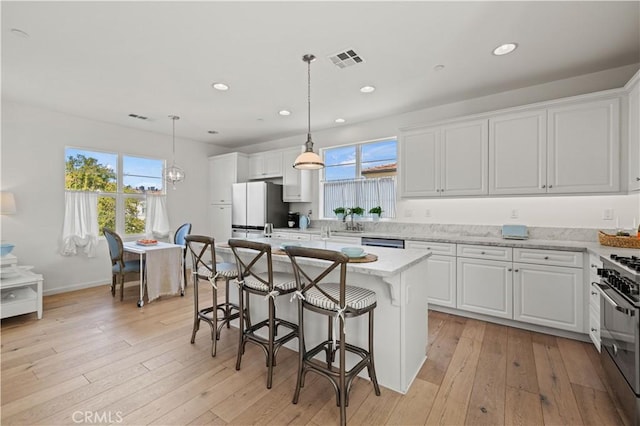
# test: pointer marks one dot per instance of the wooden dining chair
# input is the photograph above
(204, 268)
(120, 269)
(338, 301)
(252, 258)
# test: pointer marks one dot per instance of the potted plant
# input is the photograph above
(356, 212)
(339, 212)
(376, 212)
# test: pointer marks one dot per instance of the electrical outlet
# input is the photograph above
(427, 213)
(408, 213)
(607, 214)
(514, 214)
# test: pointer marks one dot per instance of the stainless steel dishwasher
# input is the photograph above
(383, 242)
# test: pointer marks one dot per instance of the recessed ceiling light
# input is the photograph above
(19, 33)
(284, 112)
(220, 86)
(438, 67)
(505, 49)
(367, 89)
(340, 120)
(212, 132)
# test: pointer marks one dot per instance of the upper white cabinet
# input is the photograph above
(264, 165)
(225, 170)
(296, 184)
(449, 160)
(634, 134)
(518, 153)
(583, 147)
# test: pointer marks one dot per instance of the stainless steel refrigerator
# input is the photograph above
(253, 205)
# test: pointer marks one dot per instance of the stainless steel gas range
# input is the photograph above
(620, 329)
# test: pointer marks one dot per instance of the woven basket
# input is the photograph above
(615, 241)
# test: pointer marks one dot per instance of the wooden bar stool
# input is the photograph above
(205, 268)
(337, 301)
(269, 285)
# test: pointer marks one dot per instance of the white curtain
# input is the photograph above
(80, 227)
(365, 193)
(157, 218)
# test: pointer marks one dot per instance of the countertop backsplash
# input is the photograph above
(440, 229)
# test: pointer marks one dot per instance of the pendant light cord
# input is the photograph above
(309, 94)
(173, 119)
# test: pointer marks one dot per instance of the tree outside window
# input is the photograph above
(98, 171)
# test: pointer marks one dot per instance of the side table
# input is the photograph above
(20, 289)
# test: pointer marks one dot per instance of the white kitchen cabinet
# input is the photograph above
(583, 147)
(420, 163)
(552, 296)
(518, 153)
(220, 220)
(296, 184)
(447, 160)
(295, 236)
(634, 133)
(441, 271)
(485, 286)
(464, 158)
(594, 300)
(225, 170)
(263, 165)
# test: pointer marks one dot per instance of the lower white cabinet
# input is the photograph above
(594, 300)
(441, 271)
(485, 286)
(296, 236)
(220, 220)
(552, 296)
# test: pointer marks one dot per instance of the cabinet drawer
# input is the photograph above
(485, 252)
(444, 249)
(291, 236)
(548, 257)
(594, 329)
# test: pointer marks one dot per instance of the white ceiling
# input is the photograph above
(105, 60)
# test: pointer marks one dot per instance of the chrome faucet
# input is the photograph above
(351, 226)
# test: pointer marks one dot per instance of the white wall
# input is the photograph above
(569, 211)
(32, 159)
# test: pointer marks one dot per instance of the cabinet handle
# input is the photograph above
(544, 186)
(442, 190)
(546, 258)
(638, 179)
(481, 252)
(594, 329)
(509, 269)
(594, 266)
(594, 293)
(517, 270)
(550, 186)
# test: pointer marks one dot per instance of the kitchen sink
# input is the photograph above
(348, 232)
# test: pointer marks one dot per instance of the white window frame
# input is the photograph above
(321, 179)
(119, 195)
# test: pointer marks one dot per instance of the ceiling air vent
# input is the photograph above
(139, 117)
(346, 59)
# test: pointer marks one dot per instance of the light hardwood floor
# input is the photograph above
(93, 359)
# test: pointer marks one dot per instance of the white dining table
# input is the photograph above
(160, 266)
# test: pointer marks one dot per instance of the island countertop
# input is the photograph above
(390, 261)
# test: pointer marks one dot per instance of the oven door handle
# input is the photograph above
(628, 312)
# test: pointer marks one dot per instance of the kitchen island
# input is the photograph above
(400, 319)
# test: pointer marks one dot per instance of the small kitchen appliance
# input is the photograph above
(515, 232)
(293, 219)
(620, 329)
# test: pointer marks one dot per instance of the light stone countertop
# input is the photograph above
(564, 245)
(390, 261)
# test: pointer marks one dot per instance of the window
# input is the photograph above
(361, 175)
(122, 183)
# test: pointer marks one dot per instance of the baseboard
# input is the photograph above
(511, 323)
(74, 287)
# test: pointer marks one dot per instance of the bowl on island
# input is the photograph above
(353, 251)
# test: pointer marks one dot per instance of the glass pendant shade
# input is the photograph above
(174, 174)
(308, 160)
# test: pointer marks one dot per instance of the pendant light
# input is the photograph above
(308, 160)
(174, 173)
